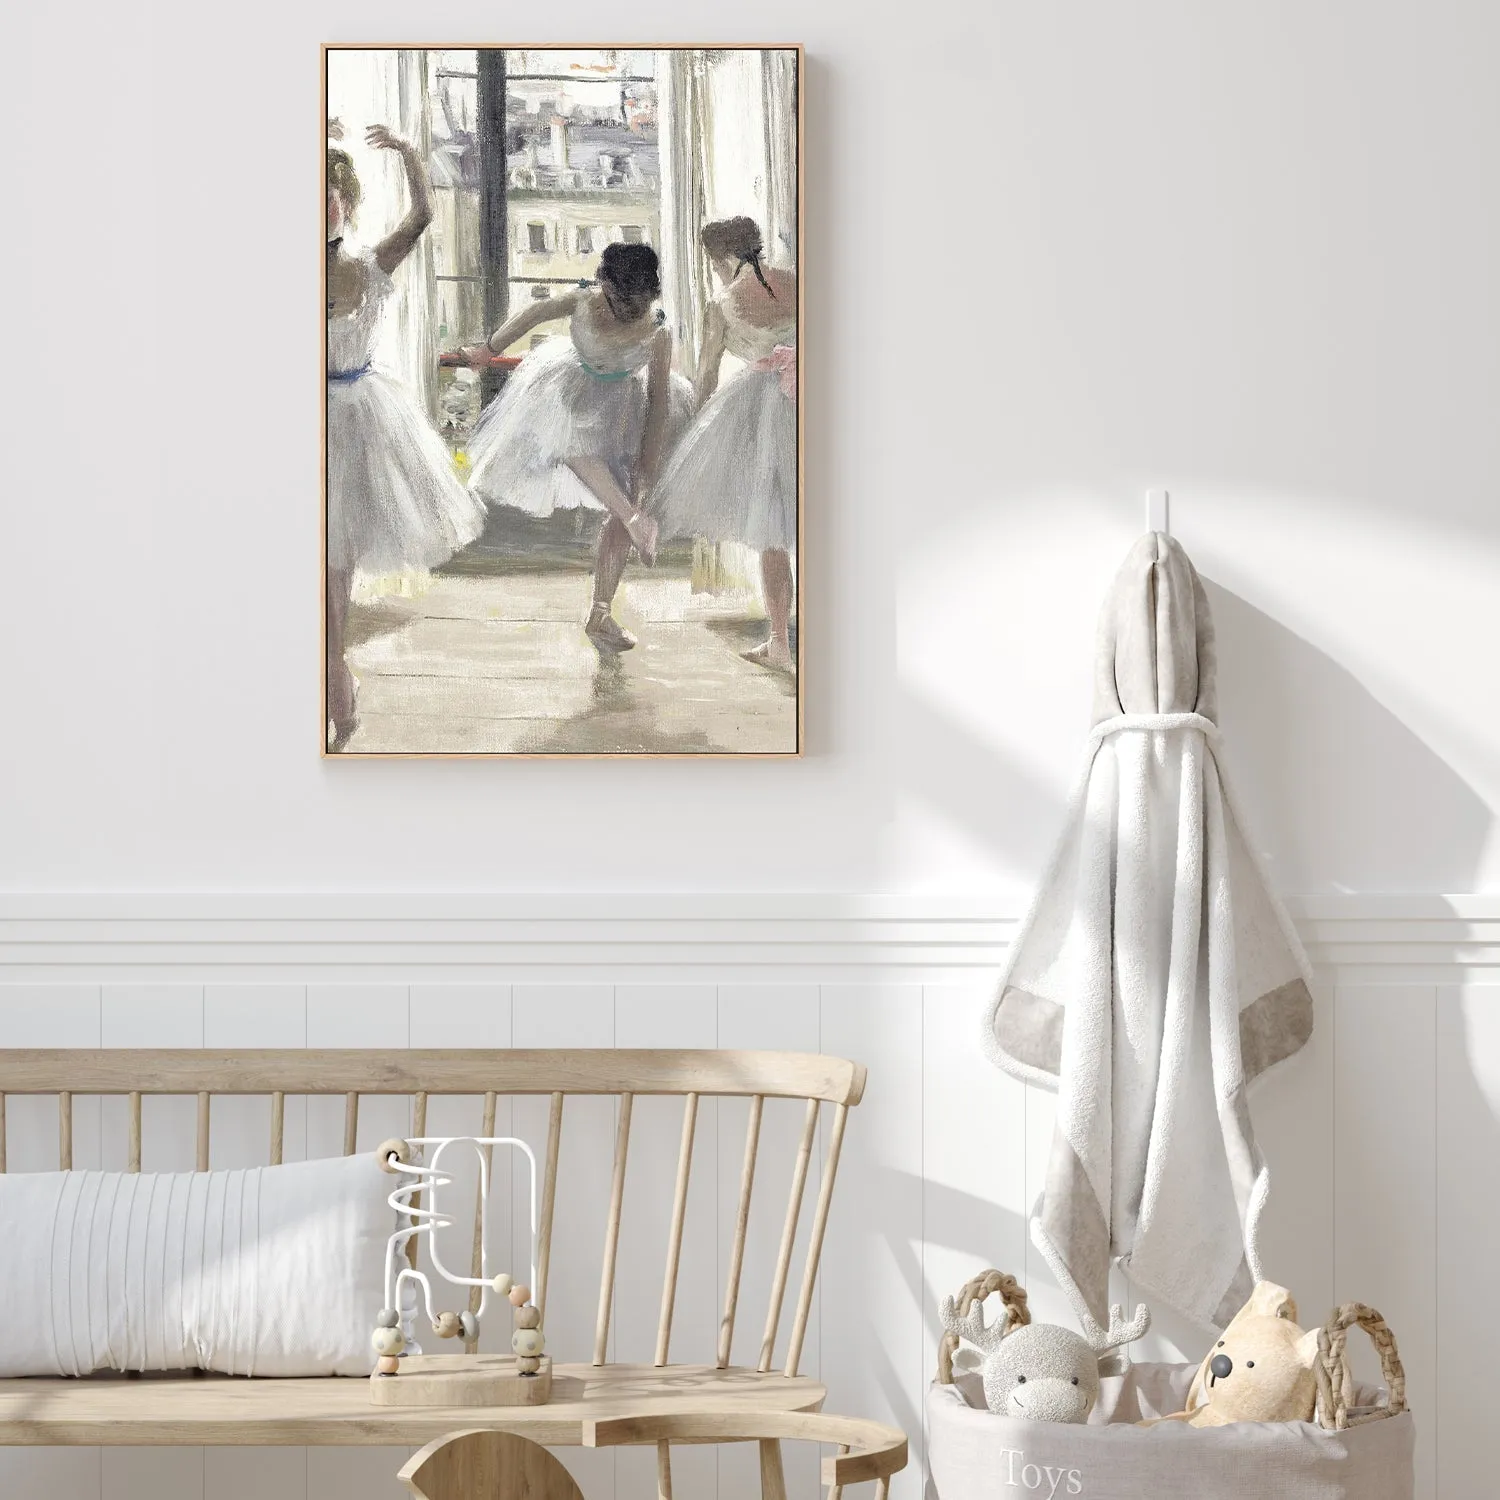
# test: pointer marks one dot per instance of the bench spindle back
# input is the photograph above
(825, 1084)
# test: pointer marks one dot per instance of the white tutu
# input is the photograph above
(555, 409)
(733, 477)
(393, 499)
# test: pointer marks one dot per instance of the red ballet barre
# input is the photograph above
(495, 362)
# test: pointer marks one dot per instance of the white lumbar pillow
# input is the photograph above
(269, 1271)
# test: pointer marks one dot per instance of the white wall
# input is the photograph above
(1245, 251)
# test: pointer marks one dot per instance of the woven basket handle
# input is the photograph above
(1332, 1369)
(1012, 1294)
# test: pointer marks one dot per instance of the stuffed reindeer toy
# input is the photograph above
(1042, 1371)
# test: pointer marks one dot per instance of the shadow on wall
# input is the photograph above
(1338, 790)
(954, 1221)
(1000, 804)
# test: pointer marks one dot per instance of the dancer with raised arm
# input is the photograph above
(733, 477)
(587, 420)
(394, 501)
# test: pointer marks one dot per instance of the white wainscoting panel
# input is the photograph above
(1383, 1135)
(1467, 1238)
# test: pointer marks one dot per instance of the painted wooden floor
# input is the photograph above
(501, 664)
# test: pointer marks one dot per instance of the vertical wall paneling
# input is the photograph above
(471, 1015)
(974, 1201)
(773, 1016)
(50, 1015)
(137, 1015)
(255, 1015)
(1384, 1199)
(668, 1016)
(567, 1015)
(1468, 1235)
(873, 1297)
(356, 1015)
(163, 1016)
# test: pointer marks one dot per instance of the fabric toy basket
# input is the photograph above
(1359, 1447)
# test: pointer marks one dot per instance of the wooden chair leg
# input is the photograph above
(487, 1466)
(772, 1479)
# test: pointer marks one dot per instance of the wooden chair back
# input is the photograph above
(826, 1087)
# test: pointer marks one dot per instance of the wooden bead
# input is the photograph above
(528, 1364)
(388, 1341)
(446, 1325)
(527, 1342)
(520, 1295)
(528, 1317)
(387, 1149)
(387, 1364)
(387, 1317)
(503, 1283)
(468, 1325)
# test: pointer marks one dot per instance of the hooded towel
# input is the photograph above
(1154, 977)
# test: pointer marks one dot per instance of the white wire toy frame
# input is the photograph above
(406, 1160)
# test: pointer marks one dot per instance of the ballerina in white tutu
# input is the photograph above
(733, 476)
(585, 420)
(393, 499)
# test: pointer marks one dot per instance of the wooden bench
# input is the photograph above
(593, 1403)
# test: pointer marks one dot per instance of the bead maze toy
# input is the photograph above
(404, 1375)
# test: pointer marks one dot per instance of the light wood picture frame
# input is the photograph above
(562, 492)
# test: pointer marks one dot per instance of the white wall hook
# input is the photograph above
(1158, 512)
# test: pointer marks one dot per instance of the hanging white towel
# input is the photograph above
(1155, 976)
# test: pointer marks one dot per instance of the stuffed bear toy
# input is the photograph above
(1259, 1370)
(1042, 1371)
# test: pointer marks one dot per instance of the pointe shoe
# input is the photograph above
(606, 632)
(772, 654)
(644, 532)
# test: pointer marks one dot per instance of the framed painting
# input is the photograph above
(562, 436)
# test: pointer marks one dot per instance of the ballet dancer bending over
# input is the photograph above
(586, 420)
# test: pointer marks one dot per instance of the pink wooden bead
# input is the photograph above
(520, 1295)
(387, 1364)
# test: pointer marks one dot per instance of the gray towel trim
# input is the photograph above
(1074, 1223)
(1030, 1029)
(1274, 1027)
